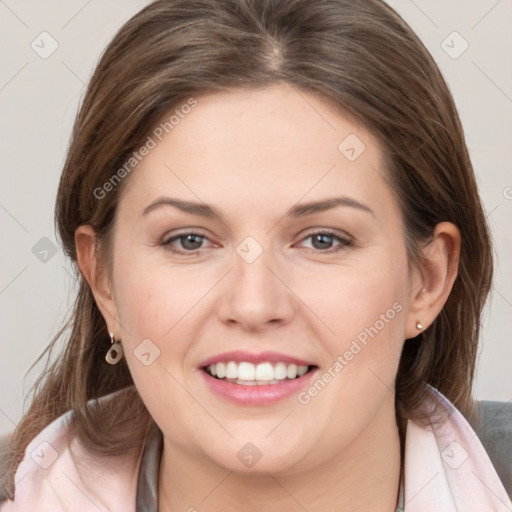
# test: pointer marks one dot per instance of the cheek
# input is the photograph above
(361, 301)
(146, 309)
(155, 340)
(373, 310)
(143, 308)
(147, 302)
(159, 305)
(365, 310)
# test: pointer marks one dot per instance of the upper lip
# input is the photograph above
(255, 358)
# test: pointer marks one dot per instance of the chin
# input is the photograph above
(258, 457)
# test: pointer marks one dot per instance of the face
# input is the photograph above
(257, 241)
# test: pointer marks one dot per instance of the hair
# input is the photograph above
(361, 57)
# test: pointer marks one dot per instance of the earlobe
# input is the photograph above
(440, 260)
(95, 274)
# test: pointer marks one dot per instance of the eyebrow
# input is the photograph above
(296, 211)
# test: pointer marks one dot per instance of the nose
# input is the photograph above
(256, 296)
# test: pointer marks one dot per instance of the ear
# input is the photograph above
(433, 282)
(96, 276)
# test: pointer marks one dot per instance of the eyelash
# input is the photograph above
(344, 242)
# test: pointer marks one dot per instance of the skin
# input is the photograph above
(253, 154)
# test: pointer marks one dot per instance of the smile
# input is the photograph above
(246, 378)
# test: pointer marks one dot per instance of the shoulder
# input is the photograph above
(40, 459)
(493, 426)
(441, 443)
(58, 473)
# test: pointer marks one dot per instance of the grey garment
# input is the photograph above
(493, 426)
(147, 485)
(401, 495)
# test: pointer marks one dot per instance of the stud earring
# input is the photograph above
(419, 326)
(115, 352)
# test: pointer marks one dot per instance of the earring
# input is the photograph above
(115, 352)
(419, 326)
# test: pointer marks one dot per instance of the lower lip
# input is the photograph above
(256, 395)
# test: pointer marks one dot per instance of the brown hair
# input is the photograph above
(357, 54)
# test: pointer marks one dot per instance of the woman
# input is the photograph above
(283, 261)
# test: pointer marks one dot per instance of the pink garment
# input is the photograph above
(446, 466)
(446, 470)
(57, 474)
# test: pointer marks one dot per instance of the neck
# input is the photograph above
(363, 476)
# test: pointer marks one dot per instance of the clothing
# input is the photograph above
(446, 469)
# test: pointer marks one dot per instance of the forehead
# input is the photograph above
(274, 145)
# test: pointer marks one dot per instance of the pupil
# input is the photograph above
(190, 239)
(323, 239)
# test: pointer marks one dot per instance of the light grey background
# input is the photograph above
(38, 101)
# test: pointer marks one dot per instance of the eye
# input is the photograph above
(189, 242)
(322, 240)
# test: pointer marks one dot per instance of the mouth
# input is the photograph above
(256, 379)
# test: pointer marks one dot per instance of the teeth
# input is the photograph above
(231, 370)
(246, 382)
(264, 371)
(221, 370)
(291, 371)
(280, 371)
(246, 371)
(301, 370)
(249, 374)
